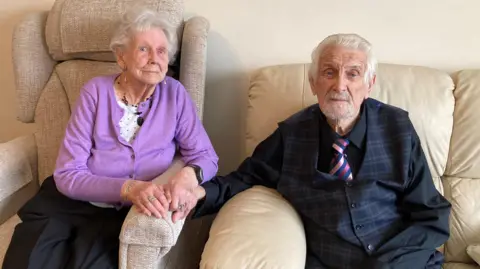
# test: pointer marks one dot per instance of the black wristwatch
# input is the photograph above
(198, 172)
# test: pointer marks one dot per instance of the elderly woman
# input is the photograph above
(123, 132)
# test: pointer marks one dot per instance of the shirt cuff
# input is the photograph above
(206, 206)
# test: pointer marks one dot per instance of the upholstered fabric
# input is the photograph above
(18, 174)
(146, 235)
(463, 169)
(193, 64)
(30, 53)
(474, 253)
(464, 194)
(463, 159)
(256, 229)
(82, 29)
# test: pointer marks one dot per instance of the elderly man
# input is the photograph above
(352, 167)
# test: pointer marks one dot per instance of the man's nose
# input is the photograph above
(340, 83)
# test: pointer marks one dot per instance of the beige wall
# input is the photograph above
(247, 34)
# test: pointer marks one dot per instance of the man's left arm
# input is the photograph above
(427, 214)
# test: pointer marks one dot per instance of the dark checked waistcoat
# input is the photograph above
(345, 221)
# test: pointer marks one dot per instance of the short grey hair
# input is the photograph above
(349, 41)
(141, 19)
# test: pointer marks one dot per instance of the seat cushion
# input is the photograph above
(6, 232)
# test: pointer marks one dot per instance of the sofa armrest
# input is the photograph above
(193, 62)
(256, 228)
(143, 239)
(18, 169)
(32, 64)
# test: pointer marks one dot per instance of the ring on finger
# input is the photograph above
(181, 207)
(151, 198)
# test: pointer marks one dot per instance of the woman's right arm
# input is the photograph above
(72, 175)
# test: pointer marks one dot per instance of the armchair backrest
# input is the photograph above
(56, 52)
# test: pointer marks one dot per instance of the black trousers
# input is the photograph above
(58, 232)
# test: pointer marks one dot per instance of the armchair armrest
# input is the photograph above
(144, 240)
(194, 58)
(32, 64)
(18, 174)
(256, 228)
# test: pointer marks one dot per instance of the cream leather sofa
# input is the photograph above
(54, 54)
(259, 229)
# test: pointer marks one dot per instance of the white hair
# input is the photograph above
(349, 41)
(141, 19)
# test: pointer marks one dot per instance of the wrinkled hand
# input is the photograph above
(149, 198)
(181, 188)
(191, 200)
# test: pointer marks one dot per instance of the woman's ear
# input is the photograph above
(120, 55)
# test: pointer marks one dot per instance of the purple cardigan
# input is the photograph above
(94, 160)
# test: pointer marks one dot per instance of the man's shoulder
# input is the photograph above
(380, 108)
(306, 114)
(388, 117)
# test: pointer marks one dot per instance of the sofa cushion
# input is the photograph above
(465, 149)
(463, 193)
(474, 253)
(462, 176)
(82, 29)
(256, 229)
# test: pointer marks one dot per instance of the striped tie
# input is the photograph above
(339, 164)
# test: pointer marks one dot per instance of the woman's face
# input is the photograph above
(146, 56)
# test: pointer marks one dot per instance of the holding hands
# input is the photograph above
(179, 195)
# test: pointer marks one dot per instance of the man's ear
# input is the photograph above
(371, 83)
(312, 85)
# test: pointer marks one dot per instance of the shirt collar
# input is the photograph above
(359, 130)
(357, 135)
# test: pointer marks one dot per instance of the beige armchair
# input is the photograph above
(54, 54)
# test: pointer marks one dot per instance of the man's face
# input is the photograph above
(340, 86)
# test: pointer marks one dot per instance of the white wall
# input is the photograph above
(247, 34)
